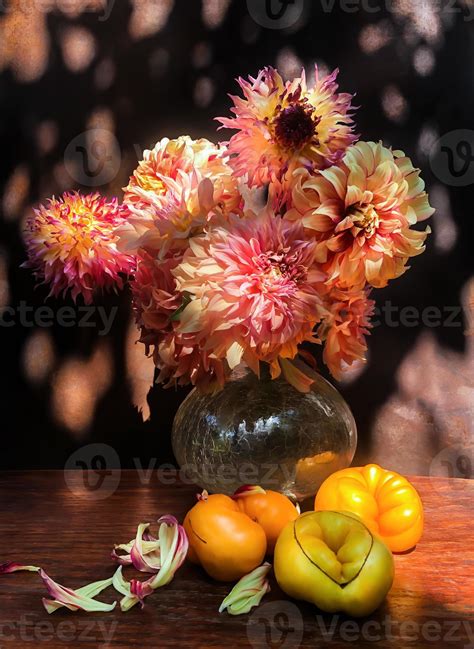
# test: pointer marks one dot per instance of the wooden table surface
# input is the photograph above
(68, 527)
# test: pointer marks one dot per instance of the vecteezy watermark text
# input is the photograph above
(392, 315)
(26, 315)
(29, 629)
(441, 632)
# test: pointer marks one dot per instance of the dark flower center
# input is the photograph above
(295, 126)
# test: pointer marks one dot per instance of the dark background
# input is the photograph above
(144, 74)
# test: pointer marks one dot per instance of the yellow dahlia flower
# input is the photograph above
(361, 213)
(284, 126)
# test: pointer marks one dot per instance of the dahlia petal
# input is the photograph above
(234, 355)
(248, 592)
(295, 376)
(145, 563)
(12, 566)
(81, 599)
(248, 490)
(163, 562)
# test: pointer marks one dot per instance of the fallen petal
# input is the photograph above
(76, 600)
(248, 490)
(123, 587)
(143, 563)
(11, 566)
(248, 592)
(162, 556)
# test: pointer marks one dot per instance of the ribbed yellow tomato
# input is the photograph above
(332, 560)
(387, 503)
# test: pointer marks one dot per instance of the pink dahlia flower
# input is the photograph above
(157, 303)
(253, 290)
(362, 212)
(179, 186)
(346, 328)
(72, 245)
(284, 126)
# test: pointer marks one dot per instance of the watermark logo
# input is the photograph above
(276, 624)
(456, 461)
(93, 157)
(276, 14)
(93, 471)
(452, 158)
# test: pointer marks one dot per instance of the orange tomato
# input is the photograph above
(270, 509)
(227, 543)
(386, 502)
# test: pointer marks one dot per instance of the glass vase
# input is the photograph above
(263, 431)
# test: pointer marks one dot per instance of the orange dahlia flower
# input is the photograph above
(346, 328)
(253, 290)
(361, 212)
(72, 245)
(284, 126)
(178, 187)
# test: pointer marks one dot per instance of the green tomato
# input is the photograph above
(332, 560)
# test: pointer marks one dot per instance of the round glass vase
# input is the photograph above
(265, 432)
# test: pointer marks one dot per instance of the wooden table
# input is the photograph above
(70, 530)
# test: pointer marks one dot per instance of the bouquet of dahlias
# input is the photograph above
(241, 252)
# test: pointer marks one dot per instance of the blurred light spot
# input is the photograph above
(214, 12)
(73, 398)
(77, 387)
(149, 17)
(38, 356)
(354, 371)
(467, 297)
(394, 104)
(47, 135)
(4, 285)
(100, 367)
(250, 31)
(16, 193)
(424, 17)
(159, 61)
(24, 41)
(288, 63)
(373, 37)
(105, 74)
(61, 175)
(74, 8)
(101, 118)
(429, 137)
(204, 92)
(424, 61)
(202, 55)
(445, 228)
(79, 48)
(140, 371)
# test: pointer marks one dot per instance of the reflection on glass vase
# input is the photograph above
(260, 431)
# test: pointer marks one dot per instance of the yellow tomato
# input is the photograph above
(387, 503)
(332, 560)
(270, 509)
(225, 541)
